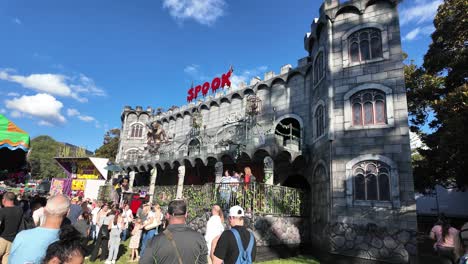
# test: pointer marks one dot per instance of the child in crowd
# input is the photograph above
(135, 240)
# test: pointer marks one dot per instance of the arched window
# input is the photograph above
(368, 108)
(365, 44)
(131, 154)
(288, 133)
(318, 68)
(319, 122)
(136, 131)
(371, 181)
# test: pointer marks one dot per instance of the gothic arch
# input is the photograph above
(368, 86)
(394, 180)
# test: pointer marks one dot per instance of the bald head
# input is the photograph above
(57, 205)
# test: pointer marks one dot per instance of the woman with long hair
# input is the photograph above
(444, 236)
(214, 228)
(103, 236)
(150, 226)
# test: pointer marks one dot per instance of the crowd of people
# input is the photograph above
(450, 243)
(63, 230)
(230, 182)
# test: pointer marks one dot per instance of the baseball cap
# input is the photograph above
(236, 211)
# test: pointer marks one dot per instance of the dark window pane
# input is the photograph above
(367, 97)
(357, 100)
(320, 63)
(368, 114)
(380, 112)
(359, 171)
(357, 114)
(354, 52)
(319, 121)
(379, 97)
(383, 170)
(359, 189)
(132, 134)
(371, 184)
(365, 52)
(364, 36)
(384, 187)
(376, 46)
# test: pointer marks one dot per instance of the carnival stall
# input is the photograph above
(84, 176)
(14, 146)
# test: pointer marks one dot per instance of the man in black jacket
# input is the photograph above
(178, 243)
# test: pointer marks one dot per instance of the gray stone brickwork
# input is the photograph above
(316, 98)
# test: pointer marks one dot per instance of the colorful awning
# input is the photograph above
(11, 136)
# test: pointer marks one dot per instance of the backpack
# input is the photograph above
(26, 223)
(245, 256)
(464, 259)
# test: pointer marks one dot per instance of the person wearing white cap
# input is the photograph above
(238, 244)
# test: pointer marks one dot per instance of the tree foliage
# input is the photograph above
(41, 158)
(438, 98)
(110, 145)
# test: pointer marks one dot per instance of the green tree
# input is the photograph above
(440, 88)
(41, 158)
(110, 145)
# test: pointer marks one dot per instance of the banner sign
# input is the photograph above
(215, 84)
(86, 170)
(57, 186)
(78, 185)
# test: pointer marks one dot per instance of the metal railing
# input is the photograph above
(255, 198)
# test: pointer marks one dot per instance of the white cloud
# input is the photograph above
(422, 11)
(13, 94)
(17, 21)
(192, 69)
(205, 12)
(44, 123)
(42, 106)
(195, 72)
(86, 118)
(246, 75)
(72, 112)
(2, 111)
(55, 84)
(417, 32)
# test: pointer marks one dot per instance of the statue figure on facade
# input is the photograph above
(155, 137)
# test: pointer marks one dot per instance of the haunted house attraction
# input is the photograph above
(327, 141)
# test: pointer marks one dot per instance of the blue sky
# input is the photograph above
(68, 68)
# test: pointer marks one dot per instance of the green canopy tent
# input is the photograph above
(14, 145)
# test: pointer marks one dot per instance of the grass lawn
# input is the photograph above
(299, 259)
(125, 258)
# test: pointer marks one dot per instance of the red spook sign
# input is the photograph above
(215, 84)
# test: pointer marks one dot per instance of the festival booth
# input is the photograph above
(14, 146)
(85, 176)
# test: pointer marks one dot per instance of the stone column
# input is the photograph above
(268, 167)
(131, 180)
(218, 171)
(154, 174)
(180, 183)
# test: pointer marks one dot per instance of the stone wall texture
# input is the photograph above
(372, 242)
(268, 230)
